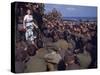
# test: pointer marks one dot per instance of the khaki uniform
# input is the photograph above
(61, 44)
(52, 60)
(52, 57)
(37, 63)
(84, 59)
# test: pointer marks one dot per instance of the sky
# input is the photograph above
(73, 10)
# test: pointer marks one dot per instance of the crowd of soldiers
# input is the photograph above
(60, 45)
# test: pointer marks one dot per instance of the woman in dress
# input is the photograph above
(29, 25)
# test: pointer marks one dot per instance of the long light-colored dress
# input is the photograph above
(29, 27)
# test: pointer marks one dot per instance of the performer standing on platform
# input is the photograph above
(29, 25)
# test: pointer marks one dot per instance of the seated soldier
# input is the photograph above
(68, 63)
(52, 59)
(37, 62)
(84, 58)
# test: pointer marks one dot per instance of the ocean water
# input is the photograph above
(81, 18)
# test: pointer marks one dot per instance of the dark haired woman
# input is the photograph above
(29, 25)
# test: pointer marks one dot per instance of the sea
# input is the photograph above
(80, 18)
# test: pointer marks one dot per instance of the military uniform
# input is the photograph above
(53, 58)
(61, 44)
(84, 59)
(71, 44)
(37, 63)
